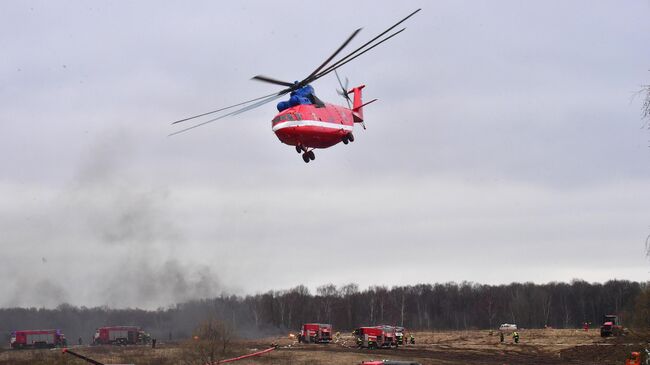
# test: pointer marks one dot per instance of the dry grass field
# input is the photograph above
(540, 346)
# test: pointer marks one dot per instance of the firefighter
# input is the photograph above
(515, 336)
(153, 343)
(412, 339)
(501, 336)
(80, 341)
(634, 359)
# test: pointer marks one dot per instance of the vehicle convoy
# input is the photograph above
(315, 333)
(120, 335)
(37, 339)
(376, 337)
(611, 326)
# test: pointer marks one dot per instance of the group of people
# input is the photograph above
(515, 336)
(408, 339)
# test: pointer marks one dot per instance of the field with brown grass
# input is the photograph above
(539, 346)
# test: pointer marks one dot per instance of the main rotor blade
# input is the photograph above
(344, 59)
(238, 111)
(333, 55)
(271, 80)
(337, 65)
(226, 108)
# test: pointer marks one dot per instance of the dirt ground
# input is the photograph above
(541, 346)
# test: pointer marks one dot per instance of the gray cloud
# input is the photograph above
(504, 139)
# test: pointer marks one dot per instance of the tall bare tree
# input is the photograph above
(327, 294)
(210, 343)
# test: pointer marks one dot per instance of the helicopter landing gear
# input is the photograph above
(308, 156)
(347, 138)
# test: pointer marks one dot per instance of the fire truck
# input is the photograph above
(376, 337)
(37, 339)
(316, 333)
(120, 335)
(399, 333)
(611, 326)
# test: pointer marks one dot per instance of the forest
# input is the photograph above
(456, 306)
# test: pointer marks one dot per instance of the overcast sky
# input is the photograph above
(506, 145)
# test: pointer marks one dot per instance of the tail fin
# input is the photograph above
(357, 105)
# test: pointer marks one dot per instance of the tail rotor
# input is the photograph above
(344, 89)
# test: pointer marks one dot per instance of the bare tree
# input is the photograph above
(210, 343)
(381, 295)
(328, 294)
(348, 292)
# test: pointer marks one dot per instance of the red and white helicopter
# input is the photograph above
(304, 121)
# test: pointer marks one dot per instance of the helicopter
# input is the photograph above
(305, 121)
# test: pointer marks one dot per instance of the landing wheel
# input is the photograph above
(312, 155)
(305, 157)
(351, 137)
(345, 139)
(298, 149)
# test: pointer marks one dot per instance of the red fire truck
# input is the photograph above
(399, 335)
(376, 337)
(37, 339)
(315, 332)
(393, 335)
(611, 326)
(120, 335)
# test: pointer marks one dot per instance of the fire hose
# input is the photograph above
(244, 356)
(95, 362)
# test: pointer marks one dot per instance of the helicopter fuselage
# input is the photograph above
(312, 126)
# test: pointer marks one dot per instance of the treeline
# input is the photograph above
(423, 307)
